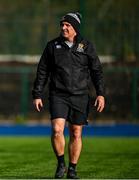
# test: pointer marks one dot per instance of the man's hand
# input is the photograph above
(100, 103)
(38, 104)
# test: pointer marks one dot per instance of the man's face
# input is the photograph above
(67, 30)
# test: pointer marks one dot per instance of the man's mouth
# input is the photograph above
(65, 31)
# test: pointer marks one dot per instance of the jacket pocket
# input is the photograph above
(81, 58)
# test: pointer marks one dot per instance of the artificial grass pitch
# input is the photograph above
(33, 158)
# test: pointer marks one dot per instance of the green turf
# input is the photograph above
(33, 158)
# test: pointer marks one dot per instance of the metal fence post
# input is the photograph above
(82, 11)
(24, 94)
(135, 94)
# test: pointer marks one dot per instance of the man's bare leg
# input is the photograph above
(75, 143)
(57, 138)
(75, 146)
(58, 143)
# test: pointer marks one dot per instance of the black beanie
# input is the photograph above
(74, 19)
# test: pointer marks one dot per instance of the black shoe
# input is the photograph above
(72, 174)
(61, 169)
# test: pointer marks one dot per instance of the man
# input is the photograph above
(69, 61)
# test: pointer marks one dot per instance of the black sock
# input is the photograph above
(61, 159)
(72, 165)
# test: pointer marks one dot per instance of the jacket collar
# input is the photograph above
(78, 39)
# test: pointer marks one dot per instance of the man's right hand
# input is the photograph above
(38, 104)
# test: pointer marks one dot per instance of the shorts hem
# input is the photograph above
(76, 123)
(52, 118)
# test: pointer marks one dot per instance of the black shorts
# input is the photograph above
(74, 109)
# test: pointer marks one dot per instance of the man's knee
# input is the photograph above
(57, 132)
(75, 135)
(75, 132)
(58, 127)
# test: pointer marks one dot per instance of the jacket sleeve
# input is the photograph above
(95, 69)
(43, 72)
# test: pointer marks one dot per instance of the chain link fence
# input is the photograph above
(26, 27)
(122, 89)
(113, 26)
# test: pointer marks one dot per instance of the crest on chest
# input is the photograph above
(80, 47)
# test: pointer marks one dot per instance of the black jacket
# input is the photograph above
(69, 69)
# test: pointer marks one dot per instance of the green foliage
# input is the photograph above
(26, 26)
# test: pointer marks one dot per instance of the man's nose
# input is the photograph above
(64, 27)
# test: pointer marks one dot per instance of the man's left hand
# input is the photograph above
(100, 103)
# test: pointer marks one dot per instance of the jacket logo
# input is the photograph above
(80, 47)
(58, 46)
